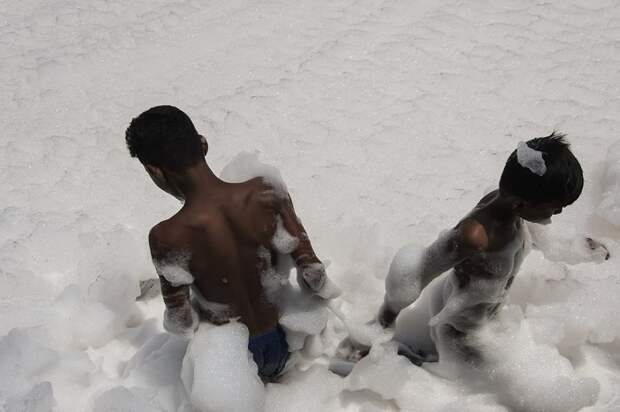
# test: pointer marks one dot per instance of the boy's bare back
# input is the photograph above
(221, 235)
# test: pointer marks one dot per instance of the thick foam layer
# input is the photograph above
(219, 373)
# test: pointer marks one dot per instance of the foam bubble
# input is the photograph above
(531, 159)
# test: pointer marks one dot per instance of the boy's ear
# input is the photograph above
(155, 172)
(205, 145)
(518, 204)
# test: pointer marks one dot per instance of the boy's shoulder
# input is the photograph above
(473, 234)
(163, 237)
(263, 192)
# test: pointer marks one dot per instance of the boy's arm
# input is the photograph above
(566, 246)
(311, 273)
(413, 268)
(180, 318)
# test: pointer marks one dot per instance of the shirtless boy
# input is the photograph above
(211, 254)
(484, 250)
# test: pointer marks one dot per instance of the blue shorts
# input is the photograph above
(270, 352)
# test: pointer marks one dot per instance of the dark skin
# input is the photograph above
(221, 228)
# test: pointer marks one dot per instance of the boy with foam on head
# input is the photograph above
(462, 279)
(213, 255)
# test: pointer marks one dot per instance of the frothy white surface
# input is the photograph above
(387, 119)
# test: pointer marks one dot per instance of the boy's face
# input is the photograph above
(540, 212)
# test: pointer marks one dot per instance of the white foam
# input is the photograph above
(39, 399)
(531, 159)
(531, 376)
(283, 241)
(374, 159)
(122, 399)
(219, 373)
(246, 166)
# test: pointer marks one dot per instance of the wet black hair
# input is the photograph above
(562, 182)
(165, 137)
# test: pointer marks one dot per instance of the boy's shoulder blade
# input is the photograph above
(159, 239)
(474, 234)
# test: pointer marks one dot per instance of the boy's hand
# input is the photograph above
(598, 249)
(312, 277)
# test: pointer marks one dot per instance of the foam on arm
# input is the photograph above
(311, 273)
(566, 245)
(180, 318)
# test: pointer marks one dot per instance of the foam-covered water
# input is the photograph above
(386, 120)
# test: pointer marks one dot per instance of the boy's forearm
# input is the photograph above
(567, 246)
(303, 253)
(180, 317)
(311, 273)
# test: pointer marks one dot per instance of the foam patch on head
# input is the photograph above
(531, 159)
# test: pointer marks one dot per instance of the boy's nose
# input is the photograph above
(557, 211)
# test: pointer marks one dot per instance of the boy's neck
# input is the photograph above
(197, 182)
(502, 207)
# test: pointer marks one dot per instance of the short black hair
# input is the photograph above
(562, 182)
(164, 136)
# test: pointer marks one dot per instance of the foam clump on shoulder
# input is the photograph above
(246, 166)
(219, 373)
(531, 159)
(609, 208)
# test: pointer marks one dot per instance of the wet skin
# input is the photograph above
(221, 232)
